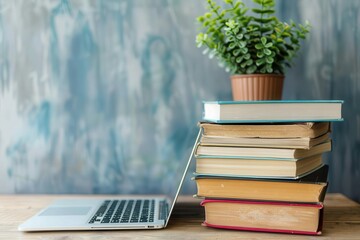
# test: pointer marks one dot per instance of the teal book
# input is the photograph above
(272, 111)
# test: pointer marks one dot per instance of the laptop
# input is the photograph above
(109, 214)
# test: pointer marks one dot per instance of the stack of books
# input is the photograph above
(259, 164)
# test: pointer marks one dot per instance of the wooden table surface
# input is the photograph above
(341, 221)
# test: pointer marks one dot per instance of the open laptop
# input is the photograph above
(109, 214)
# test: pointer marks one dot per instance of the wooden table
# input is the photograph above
(341, 221)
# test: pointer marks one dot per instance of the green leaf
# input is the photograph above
(242, 44)
(207, 15)
(266, 29)
(264, 20)
(230, 38)
(259, 46)
(244, 50)
(268, 45)
(267, 51)
(269, 60)
(236, 52)
(260, 62)
(232, 45)
(289, 47)
(286, 34)
(249, 62)
(263, 11)
(294, 40)
(206, 23)
(269, 68)
(263, 40)
(251, 69)
(247, 56)
(237, 5)
(239, 59)
(239, 36)
(260, 54)
(231, 23)
(200, 19)
(236, 30)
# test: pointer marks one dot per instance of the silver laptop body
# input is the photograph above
(107, 214)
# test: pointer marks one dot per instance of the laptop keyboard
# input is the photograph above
(125, 211)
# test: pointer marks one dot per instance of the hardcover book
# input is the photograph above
(268, 130)
(295, 218)
(272, 111)
(261, 152)
(257, 168)
(310, 188)
(295, 143)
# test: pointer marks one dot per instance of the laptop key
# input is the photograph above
(107, 220)
(101, 211)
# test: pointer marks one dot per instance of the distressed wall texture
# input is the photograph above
(104, 96)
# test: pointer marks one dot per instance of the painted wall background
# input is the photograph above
(104, 96)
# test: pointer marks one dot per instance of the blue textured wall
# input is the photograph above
(99, 96)
(104, 96)
(329, 68)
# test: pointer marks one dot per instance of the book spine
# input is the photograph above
(261, 229)
(319, 205)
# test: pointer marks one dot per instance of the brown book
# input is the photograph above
(296, 143)
(275, 130)
(264, 168)
(300, 218)
(310, 188)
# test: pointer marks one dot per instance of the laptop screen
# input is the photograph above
(179, 177)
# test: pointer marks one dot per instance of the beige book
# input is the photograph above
(297, 143)
(257, 152)
(276, 130)
(271, 168)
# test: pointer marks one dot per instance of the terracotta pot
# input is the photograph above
(252, 87)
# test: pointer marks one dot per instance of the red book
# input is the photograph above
(261, 216)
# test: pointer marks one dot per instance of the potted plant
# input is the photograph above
(254, 46)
